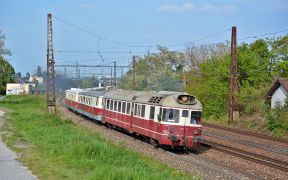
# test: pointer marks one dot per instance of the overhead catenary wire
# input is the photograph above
(261, 35)
(201, 39)
(97, 52)
(91, 34)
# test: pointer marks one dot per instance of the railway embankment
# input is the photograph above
(55, 148)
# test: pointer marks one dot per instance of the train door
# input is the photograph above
(131, 116)
(157, 121)
(185, 120)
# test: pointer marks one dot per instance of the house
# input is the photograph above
(19, 88)
(278, 92)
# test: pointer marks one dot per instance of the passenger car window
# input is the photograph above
(152, 112)
(115, 105)
(119, 106)
(111, 105)
(123, 107)
(135, 109)
(170, 115)
(143, 111)
(108, 104)
(128, 108)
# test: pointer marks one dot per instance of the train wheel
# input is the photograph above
(154, 143)
(196, 150)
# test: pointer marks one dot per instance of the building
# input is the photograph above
(19, 89)
(33, 79)
(278, 92)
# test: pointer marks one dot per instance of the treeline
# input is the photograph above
(204, 72)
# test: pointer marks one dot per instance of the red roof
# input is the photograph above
(277, 83)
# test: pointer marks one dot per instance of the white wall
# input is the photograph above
(279, 97)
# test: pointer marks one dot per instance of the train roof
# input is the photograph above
(86, 92)
(74, 90)
(162, 98)
(92, 93)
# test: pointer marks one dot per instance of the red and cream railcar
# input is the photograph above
(88, 103)
(167, 118)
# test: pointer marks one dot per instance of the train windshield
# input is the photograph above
(170, 115)
(195, 117)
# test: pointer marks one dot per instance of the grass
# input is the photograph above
(57, 149)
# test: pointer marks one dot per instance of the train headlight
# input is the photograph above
(185, 99)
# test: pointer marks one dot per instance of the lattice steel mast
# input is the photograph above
(51, 98)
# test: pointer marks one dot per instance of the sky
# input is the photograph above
(136, 27)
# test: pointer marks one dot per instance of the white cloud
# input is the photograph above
(202, 8)
(176, 8)
(220, 9)
(87, 5)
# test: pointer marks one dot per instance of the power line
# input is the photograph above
(201, 39)
(91, 34)
(82, 65)
(97, 52)
(261, 35)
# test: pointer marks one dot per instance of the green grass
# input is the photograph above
(57, 149)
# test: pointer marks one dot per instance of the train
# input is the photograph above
(164, 118)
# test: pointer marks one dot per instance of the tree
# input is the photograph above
(18, 75)
(279, 56)
(7, 73)
(38, 71)
(156, 71)
(3, 50)
(27, 76)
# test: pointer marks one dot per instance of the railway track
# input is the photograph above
(277, 164)
(234, 139)
(239, 131)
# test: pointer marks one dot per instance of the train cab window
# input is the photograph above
(123, 107)
(107, 104)
(185, 113)
(111, 105)
(170, 115)
(195, 117)
(152, 112)
(143, 111)
(115, 105)
(128, 108)
(119, 106)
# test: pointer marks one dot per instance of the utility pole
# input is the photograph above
(134, 72)
(111, 77)
(65, 72)
(50, 93)
(115, 81)
(233, 84)
(77, 74)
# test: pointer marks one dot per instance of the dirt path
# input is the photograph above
(10, 168)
